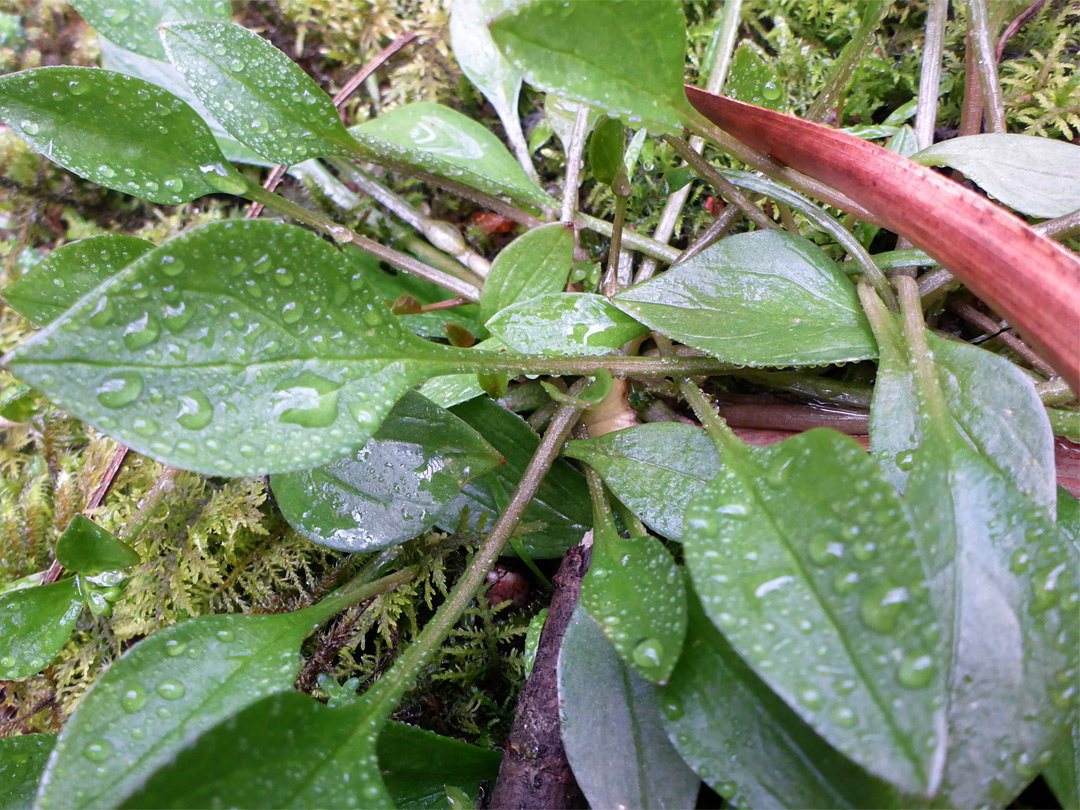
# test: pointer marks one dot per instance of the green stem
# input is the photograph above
(360, 588)
(993, 104)
(619, 365)
(342, 234)
(844, 67)
(611, 282)
(642, 244)
(1061, 227)
(390, 687)
(930, 74)
(1055, 392)
(603, 523)
(935, 410)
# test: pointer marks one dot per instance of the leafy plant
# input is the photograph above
(798, 624)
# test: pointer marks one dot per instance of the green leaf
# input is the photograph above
(86, 548)
(1063, 772)
(263, 98)
(19, 403)
(34, 625)
(453, 389)
(767, 298)
(165, 691)
(54, 284)
(565, 324)
(394, 488)
(581, 50)
(654, 469)
(821, 591)
(416, 764)
(258, 354)
(133, 23)
(635, 592)
(532, 639)
(744, 741)
(1036, 176)
(1005, 582)
(286, 750)
(611, 727)
(480, 60)
(22, 761)
(535, 263)
(560, 512)
(436, 139)
(606, 148)
(753, 80)
(119, 132)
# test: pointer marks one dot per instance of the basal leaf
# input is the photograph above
(165, 691)
(68, 273)
(120, 132)
(1036, 176)
(535, 263)
(239, 348)
(416, 765)
(634, 590)
(654, 469)
(1004, 580)
(578, 49)
(444, 142)
(133, 24)
(394, 488)
(767, 298)
(611, 727)
(753, 80)
(821, 591)
(559, 514)
(286, 750)
(86, 548)
(479, 58)
(744, 741)
(22, 761)
(564, 323)
(263, 98)
(34, 624)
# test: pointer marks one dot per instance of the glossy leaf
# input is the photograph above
(258, 355)
(133, 24)
(1036, 176)
(480, 60)
(606, 148)
(22, 761)
(121, 133)
(611, 727)
(34, 625)
(165, 691)
(753, 80)
(453, 389)
(744, 741)
(560, 115)
(394, 488)
(286, 750)
(565, 324)
(19, 403)
(263, 98)
(654, 469)
(536, 263)
(767, 298)
(68, 273)
(579, 49)
(1006, 585)
(86, 548)
(821, 591)
(559, 514)
(444, 142)
(991, 400)
(416, 764)
(1062, 774)
(634, 590)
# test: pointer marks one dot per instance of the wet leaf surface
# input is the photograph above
(611, 727)
(22, 761)
(122, 133)
(86, 548)
(133, 24)
(822, 592)
(536, 263)
(34, 625)
(68, 273)
(263, 352)
(767, 298)
(394, 488)
(566, 324)
(263, 98)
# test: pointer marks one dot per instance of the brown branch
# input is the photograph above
(1016, 25)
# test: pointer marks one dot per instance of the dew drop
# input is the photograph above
(170, 689)
(142, 332)
(824, 550)
(144, 427)
(905, 460)
(171, 266)
(916, 671)
(30, 128)
(103, 313)
(260, 126)
(196, 412)
(647, 653)
(844, 717)
(133, 699)
(881, 607)
(98, 750)
(77, 88)
(308, 400)
(174, 184)
(770, 91)
(811, 698)
(292, 312)
(283, 278)
(1044, 585)
(121, 390)
(673, 708)
(174, 648)
(224, 636)
(106, 171)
